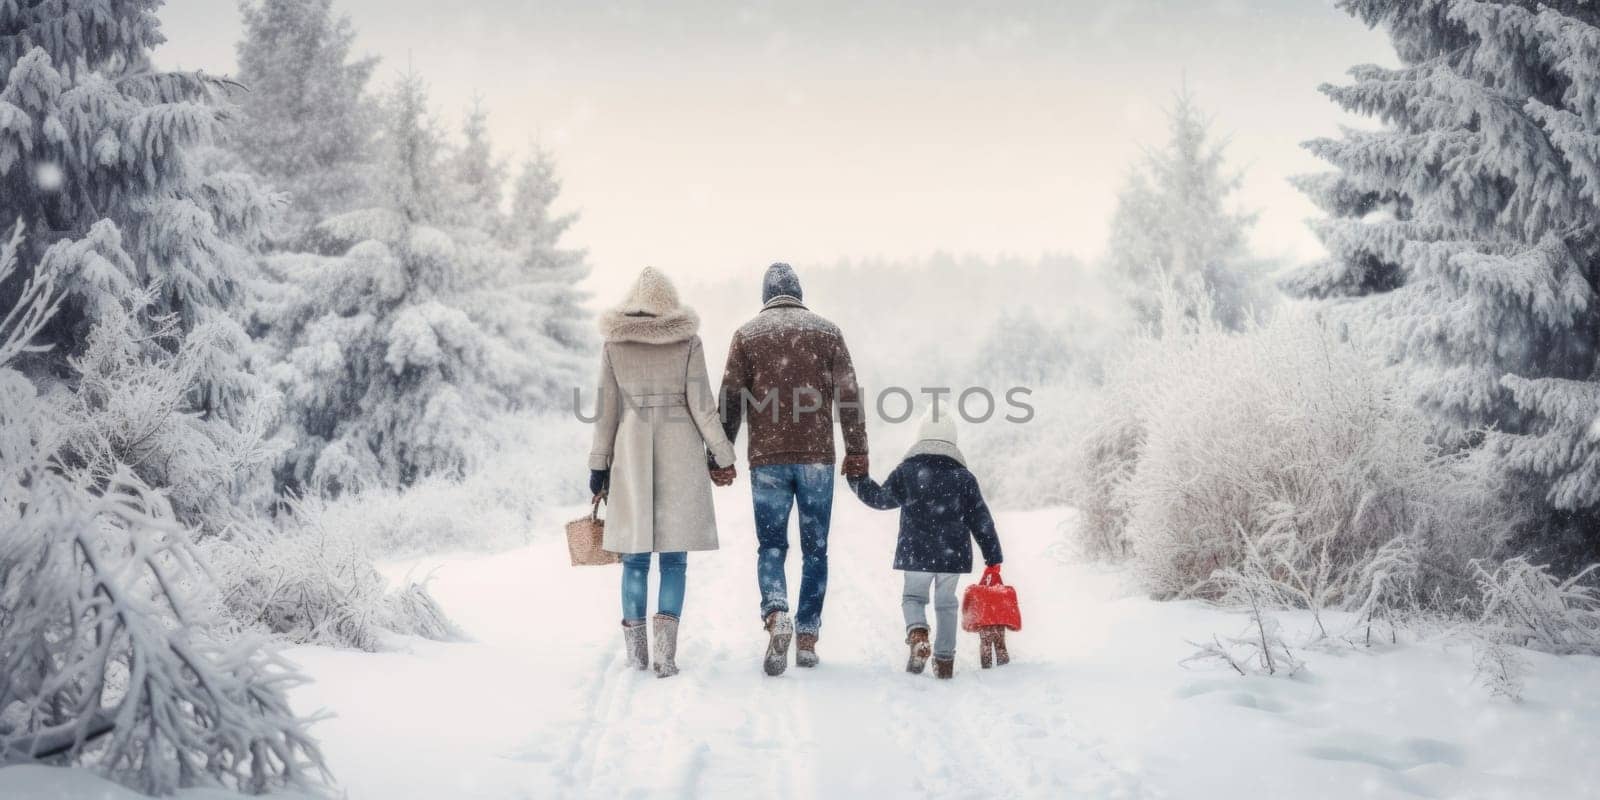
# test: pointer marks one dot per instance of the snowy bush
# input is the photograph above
(1259, 650)
(106, 656)
(1525, 605)
(109, 662)
(131, 404)
(1498, 669)
(507, 500)
(304, 583)
(1105, 456)
(1280, 453)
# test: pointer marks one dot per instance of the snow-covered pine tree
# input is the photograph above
(96, 151)
(395, 350)
(309, 124)
(535, 231)
(1173, 218)
(480, 175)
(1470, 225)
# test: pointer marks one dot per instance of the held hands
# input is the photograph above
(723, 476)
(855, 466)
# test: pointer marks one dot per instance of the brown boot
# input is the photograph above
(917, 638)
(780, 629)
(1001, 657)
(805, 650)
(944, 668)
(666, 649)
(986, 647)
(636, 643)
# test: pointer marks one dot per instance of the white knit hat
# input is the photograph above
(938, 424)
(936, 435)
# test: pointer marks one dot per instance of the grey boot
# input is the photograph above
(636, 643)
(780, 630)
(666, 648)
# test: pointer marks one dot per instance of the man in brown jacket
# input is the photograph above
(788, 371)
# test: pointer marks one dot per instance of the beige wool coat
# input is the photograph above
(657, 419)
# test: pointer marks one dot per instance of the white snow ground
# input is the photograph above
(1094, 705)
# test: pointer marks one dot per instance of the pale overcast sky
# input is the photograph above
(712, 137)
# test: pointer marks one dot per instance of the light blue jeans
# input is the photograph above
(636, 584)
(914, 605)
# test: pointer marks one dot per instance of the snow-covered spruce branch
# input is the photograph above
(37, 301)
(106, 661)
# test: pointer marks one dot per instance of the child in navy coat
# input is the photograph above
(941, 512)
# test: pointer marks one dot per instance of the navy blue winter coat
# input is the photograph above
(941, 512)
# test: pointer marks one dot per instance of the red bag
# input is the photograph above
(990, 602)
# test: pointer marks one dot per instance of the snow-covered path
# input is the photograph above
(1094, 705)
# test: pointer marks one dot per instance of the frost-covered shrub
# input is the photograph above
(1284, 453)
(109, 662)
(304, 583)
(1104, 457)
(1498, 668)
(1524, 604)
(131, 404)
(508, 500)
(107, 656)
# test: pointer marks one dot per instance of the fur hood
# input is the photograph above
(651, 313)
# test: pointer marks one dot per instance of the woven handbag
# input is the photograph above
(586, 537)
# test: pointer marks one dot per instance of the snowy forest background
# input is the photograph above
(258, 331)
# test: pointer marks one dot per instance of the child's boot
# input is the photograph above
(944, 668)
(986, 647)
(666, 630)
(917, 638)
(636, 643)
(1001, 657)
(805, 650)
(780, 630)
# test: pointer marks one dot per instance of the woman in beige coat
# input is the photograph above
(657, 419)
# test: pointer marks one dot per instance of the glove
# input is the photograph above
(723, 476)
(599, 479)
(855, 466)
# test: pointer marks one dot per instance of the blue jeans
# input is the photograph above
(636, 584)
(775, 488)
